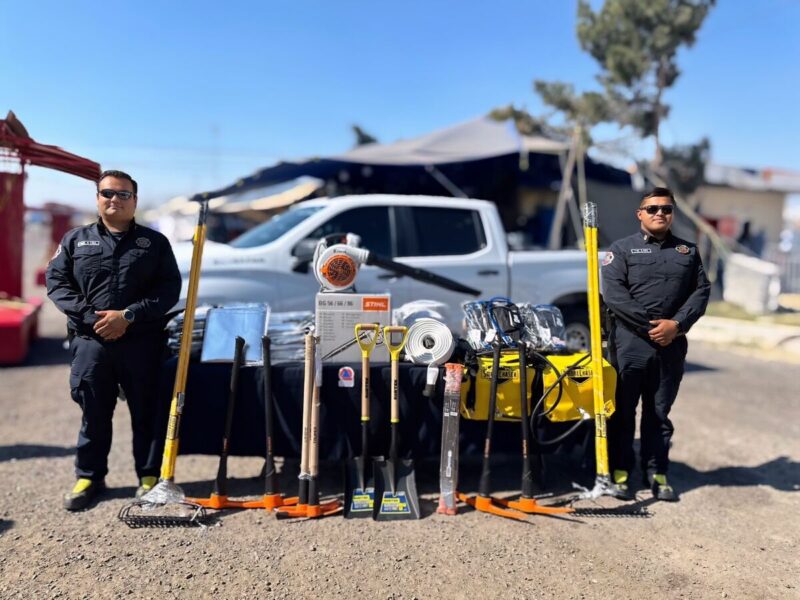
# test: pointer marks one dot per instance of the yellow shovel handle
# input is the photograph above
(367, 343)
(394, 353)
(394, 350)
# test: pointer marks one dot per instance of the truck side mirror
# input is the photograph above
(303, 253)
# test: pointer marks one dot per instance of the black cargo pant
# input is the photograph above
(653, 373)
(98, 370)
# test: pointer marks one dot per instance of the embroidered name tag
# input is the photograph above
(88, 243)
(641, 251)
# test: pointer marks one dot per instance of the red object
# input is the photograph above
(60, 223)
(12, 227)
(18, 328)
(15, 137)
(19, 318)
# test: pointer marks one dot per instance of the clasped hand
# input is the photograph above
(664, 331)
(111, 325)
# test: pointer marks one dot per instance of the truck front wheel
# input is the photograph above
(576, 328)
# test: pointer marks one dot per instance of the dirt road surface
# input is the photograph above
(734, 534)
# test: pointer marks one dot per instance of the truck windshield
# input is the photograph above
(271, 230)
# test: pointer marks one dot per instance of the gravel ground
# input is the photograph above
(734, 534)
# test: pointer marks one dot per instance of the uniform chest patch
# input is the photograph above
(88, 243)
(641, 250)
(608, 258)
(143, 242)
(682, 249)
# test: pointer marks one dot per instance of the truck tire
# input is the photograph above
(576, 328)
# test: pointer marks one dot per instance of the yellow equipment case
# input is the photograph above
(576, 388)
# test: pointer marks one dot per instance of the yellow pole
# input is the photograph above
(593, 301)
(179, 390)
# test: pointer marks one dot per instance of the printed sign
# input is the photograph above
(347, 377)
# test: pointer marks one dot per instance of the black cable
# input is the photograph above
(534, 418)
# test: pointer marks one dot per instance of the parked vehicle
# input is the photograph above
(462, 239)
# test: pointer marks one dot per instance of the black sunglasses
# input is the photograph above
(651, 209)
(122, 195)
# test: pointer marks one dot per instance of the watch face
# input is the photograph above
(128, 315)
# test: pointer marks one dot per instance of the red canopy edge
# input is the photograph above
(15, 137)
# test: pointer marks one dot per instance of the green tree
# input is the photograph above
(684, 166)
(636, 43)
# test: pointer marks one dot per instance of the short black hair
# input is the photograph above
(118, 175)
(659, 192)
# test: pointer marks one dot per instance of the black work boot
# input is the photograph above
(83, 492)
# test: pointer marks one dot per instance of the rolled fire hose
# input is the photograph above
(430, 342)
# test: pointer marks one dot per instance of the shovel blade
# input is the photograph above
(396, 496)
(359, 489)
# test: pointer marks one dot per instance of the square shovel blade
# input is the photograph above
(359, 488)
(396, 496)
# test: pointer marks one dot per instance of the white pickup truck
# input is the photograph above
(461, 239)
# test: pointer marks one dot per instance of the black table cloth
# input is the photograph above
(340, 413)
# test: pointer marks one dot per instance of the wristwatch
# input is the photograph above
(128, 315)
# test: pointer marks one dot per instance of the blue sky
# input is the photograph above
(189, 96)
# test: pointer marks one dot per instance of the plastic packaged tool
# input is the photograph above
(448, 463)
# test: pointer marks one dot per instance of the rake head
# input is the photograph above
(164, 506)
(137, 515)
(625, 512)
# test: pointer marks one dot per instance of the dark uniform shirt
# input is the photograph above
(94, 270)
(644, 280)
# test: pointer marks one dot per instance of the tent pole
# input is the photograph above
(554, 243)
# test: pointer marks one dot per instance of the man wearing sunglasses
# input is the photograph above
(655, 289)
(115, 280)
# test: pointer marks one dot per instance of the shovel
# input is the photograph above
(396, 486)
(359, 484)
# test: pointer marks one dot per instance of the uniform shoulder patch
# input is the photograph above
(641, 251)
(143, 242)
(608, 259)
(56, 253)
(682, 248)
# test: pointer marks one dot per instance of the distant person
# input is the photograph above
(655, 288)
(753, 242)
(115, 280)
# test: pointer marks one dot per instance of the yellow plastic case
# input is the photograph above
(577, 388)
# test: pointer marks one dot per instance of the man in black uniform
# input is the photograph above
(115, 280)
(655, 288)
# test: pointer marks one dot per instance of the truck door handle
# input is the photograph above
(488, 272)
(389, 276)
